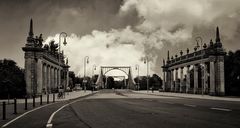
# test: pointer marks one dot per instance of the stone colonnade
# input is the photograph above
(45, 68)
(204, 70)
(52, 77)
(208, 77)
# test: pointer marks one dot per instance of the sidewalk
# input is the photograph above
(184, 95)
(21, 104)
(68, 96)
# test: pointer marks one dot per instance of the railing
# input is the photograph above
(188, 57)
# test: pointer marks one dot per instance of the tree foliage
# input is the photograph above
(232, 73)
(154, 82)
(12, 83)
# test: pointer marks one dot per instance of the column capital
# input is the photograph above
(220, 58)
(212, 58)
(196, 65)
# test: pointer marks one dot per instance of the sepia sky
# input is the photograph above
(118, 32)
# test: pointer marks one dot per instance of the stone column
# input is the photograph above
(55, 77)
(172, 80)
(163, 83)
(39, 77)
(45, 77)
(220, 80)
(205, 78)
(168, 80)
(67, 78)
(49, 78)
(188, 79)
(195, 79)
(181, 79)
(59, 77)
(28, 72)
(52, 78)
(212, 77)
(176, 80)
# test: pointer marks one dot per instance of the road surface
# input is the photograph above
(125, 109)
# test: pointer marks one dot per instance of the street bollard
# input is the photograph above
(53, 97)
(26, 103)
(15, 106)
(33, 101)
(4, 110)
(40, 99)
(47, 98)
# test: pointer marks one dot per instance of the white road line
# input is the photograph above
(25, 114)
(148, 100)
(166, 102)
(49, 123)
(190, 105)
(169, 102)
(221, 109)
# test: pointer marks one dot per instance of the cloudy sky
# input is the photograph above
(118, 32)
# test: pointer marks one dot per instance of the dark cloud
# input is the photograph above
(159, 25)
(53, 16)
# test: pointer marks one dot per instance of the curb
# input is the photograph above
(202, 98)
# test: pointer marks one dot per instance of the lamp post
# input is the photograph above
(202, 67)
(93, 85)
(86, 61)
(94, 68)
(146, 61)
(137, 68)
(62, 34)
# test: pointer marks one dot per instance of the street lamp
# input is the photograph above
(137, 68)
(94, 68)
(146, 61)
(86, 61)
(202, 67)
(62, 34)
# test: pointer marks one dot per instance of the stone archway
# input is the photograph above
(106, 69)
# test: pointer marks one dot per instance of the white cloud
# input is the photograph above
(162, 21)
(95, 46)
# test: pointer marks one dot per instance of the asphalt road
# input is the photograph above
(124, 109)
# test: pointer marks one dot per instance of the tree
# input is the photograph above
(12, 83)
(110, 82)
(143, 82)
(72, 79)
(155, 82)
(232, 73)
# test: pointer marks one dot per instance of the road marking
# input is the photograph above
(30, 112)
(221, 109)
(169, 102)
(147, 100)
(25, 114)
(190, 105)
(49, 123)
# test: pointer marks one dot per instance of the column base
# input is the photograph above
(212, 93)
(221, 94)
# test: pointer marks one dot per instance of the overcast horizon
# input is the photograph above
(118, 32)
